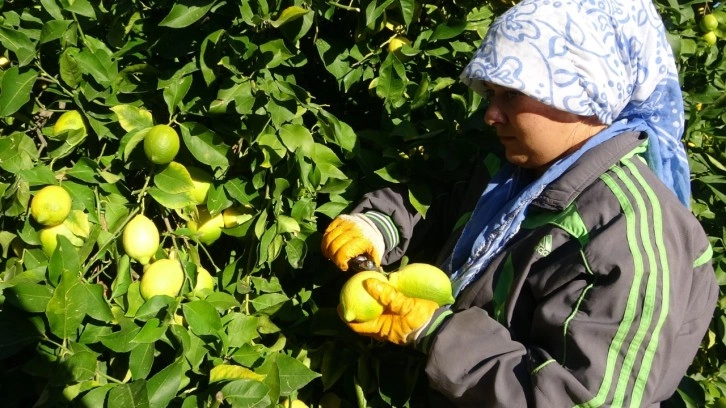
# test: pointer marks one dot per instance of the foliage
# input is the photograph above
(294, 108)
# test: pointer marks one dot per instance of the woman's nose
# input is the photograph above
(494, 115)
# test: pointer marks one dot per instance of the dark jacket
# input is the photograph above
(601, 299)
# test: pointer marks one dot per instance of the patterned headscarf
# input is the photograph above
(604, 58)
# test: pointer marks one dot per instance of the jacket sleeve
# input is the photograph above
(393, 203)
(599, 334)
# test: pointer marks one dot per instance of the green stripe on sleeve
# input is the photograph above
(386, 226)
(653, 268)
(657, 227)
(706, 256)
(632, 301)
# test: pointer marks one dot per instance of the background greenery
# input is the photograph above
(296, 107)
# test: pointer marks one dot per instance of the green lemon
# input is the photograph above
(50, 206)
(207, 228)
(163, 277)
(161, 144)
(141, 239)
(710, 38)
(70, 120)
(708, 23)
(424, 281)
(357, 304)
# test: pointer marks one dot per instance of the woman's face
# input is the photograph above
(535, 135)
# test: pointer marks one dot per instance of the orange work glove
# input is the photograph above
(349, 236)
(402, 316)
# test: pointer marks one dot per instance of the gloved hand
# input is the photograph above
(349, 236)
(402, 316)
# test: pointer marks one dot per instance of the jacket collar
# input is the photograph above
(563, 191)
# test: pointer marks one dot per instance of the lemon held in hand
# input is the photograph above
(423, 281)
(141, 239)
(161, 144)
(163, 277)
(50, 206)
(357, 305)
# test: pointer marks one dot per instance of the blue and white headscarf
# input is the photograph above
(607, 58)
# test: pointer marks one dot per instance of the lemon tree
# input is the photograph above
(293, 109)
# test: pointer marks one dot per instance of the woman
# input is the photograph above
(581, 277)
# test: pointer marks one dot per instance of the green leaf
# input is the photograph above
(169, 200)
(141, 360)
(64, 259)
(175, 92)
(448, 30)
(202, 317)
(151, 332)
(83, 8)
(30, 297)
(19, 43)
(289, 14)
(391, 79)
(66, 308)
(186, 12)
(268, 301)
(205, 145)
(293, 374)
(131, 117)
(95, 303)
(224, 372)
(246, 393)
(297, 137)
(120, 341)
(162, 387)
(174, 179)
(17, 152)
(85, 170)
(129, 395)
(53, 30)
(242, 329)
(15, 90)
(70, 70)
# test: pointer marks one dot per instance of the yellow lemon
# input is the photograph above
(424, 281)
(49, 241)
(163, 277)
(70, 120)
(234, 216)
(141, 239)
(202, 181)
(161, 144)
(51, 205)
(204, 280)
(357, 304)
(207, 228)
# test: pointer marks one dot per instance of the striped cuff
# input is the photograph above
(424, 338)
(388, 229)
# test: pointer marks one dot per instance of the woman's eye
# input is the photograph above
(489, 94)
(512, 94)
